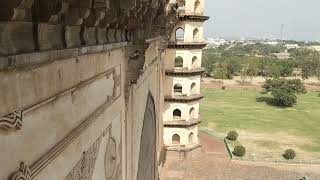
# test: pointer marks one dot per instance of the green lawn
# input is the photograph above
(225, 110)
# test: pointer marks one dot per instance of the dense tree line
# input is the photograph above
(251, 60)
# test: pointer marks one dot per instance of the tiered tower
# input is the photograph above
(182, 80)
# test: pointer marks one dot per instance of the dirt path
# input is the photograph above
(213, 164)
(254, 85)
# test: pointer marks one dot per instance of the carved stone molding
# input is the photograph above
(29, 25)
(84, 168)
(22, 174)
(110, 161)
(37, 166)
(12, 121)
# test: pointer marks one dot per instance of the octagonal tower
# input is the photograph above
(182, 80)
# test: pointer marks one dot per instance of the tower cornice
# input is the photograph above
(185, 72)
(182, 123)
(193, 17)
(181, 98)
(186, 45)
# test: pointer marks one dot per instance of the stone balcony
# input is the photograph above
(182, 122)
(186, 45)
(185, 71)
(183, 98)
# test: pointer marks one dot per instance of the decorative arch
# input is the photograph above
(176, 114)
(190, 138)
(194, 62)
(192, 112)
(176, 139)
(181, 5)
(177, 89)
(179, 34)
(178, 62)
(193, 88)
(196, 34)
(147, 168)
(197, 7)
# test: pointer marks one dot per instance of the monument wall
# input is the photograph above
(81, 86)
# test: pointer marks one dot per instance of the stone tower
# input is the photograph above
(182, 81)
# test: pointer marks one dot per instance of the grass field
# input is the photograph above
(265, 130)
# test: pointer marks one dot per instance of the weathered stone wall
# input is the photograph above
(81, 86)
(81, 110)
(65, 107)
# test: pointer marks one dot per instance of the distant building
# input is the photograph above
(316, 48)
(273, 43)
(215, 42)
(282, 55)
(292, 46)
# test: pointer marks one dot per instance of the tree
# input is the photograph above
(220, 71)
(284, 91)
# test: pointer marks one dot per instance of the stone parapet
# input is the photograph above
(182, 123)
(185, 72)
(181, 98)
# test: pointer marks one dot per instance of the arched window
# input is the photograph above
(178, 62)
(177, 89)
(176, 114)
(190, 138)
(193, 88)
(179, 35)
(194, 62)
(176, 139)
(181, 5)
(192, 112)
(196, 34)
(197, 7)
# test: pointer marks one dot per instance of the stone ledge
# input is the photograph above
(185, 72)
(193, 17)
(179, 98)
(182, 123)
(182, 148)
(186, 45)
(36, 58)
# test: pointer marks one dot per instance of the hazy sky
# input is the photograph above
(263, 18)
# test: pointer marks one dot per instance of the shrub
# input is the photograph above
(232, 135)
(224, 88)
(289, 154)
(239, 151)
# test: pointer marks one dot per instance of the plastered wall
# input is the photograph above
(187, 56)
(77, 110)
(186, 83)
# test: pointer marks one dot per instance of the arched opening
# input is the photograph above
(197, 7)
(196, 34)
(193, 88)
(177, 89)
(192, 113)
(147, 167)
(181, 6)
(179, 35)
(190, 138)
(178, 62)
(176, 139)
(176, 114)
(194, 62)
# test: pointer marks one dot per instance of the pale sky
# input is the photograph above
(263, 18)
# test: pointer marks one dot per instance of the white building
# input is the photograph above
(182, 81)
